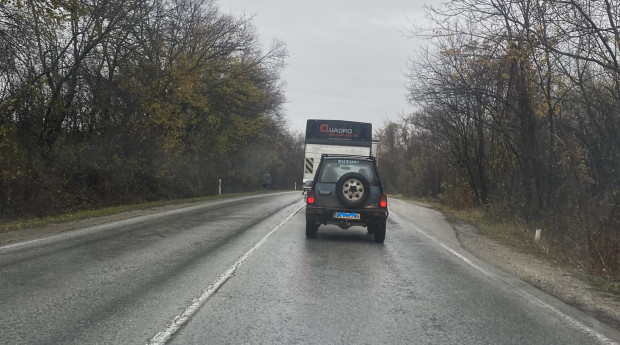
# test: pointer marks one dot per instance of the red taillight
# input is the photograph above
(383, 202)
(310, 197)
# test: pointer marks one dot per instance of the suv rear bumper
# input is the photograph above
(325, 215)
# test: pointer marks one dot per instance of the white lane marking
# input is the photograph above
(74, 233)
(577, 324)
(164, 336)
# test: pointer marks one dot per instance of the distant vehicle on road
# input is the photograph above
(347, 191)
(335, 137)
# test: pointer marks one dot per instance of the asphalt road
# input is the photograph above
(241, 271)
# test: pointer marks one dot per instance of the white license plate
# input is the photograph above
(346, 215)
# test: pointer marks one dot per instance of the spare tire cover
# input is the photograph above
(352, 189)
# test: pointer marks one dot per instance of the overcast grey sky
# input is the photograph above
(347, 59)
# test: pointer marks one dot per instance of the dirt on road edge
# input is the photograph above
(547, 276)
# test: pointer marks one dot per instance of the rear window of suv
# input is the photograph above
(332, 170)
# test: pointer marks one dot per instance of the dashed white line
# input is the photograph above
(178, 321)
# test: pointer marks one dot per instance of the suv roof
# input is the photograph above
(334, 156)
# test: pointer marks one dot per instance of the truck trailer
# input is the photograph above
(335, 137)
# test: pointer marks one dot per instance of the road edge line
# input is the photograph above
(576, 323)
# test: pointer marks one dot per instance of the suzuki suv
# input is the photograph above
(347, 191)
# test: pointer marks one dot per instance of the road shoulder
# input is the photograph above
(8, 237)
(547, 276)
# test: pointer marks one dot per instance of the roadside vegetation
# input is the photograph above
(518, 124)
(106, 103)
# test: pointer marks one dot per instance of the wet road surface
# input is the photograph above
(242, 272)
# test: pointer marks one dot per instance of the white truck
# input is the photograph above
(335, 137)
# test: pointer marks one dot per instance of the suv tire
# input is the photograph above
(311, 229)
(352, 189)
(379, 231)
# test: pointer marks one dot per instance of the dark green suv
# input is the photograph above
(347, 191)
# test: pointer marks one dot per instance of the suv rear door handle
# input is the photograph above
(325, 192)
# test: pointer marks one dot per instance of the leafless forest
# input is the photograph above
(518, 113)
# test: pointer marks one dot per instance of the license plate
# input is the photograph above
(346, 215)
